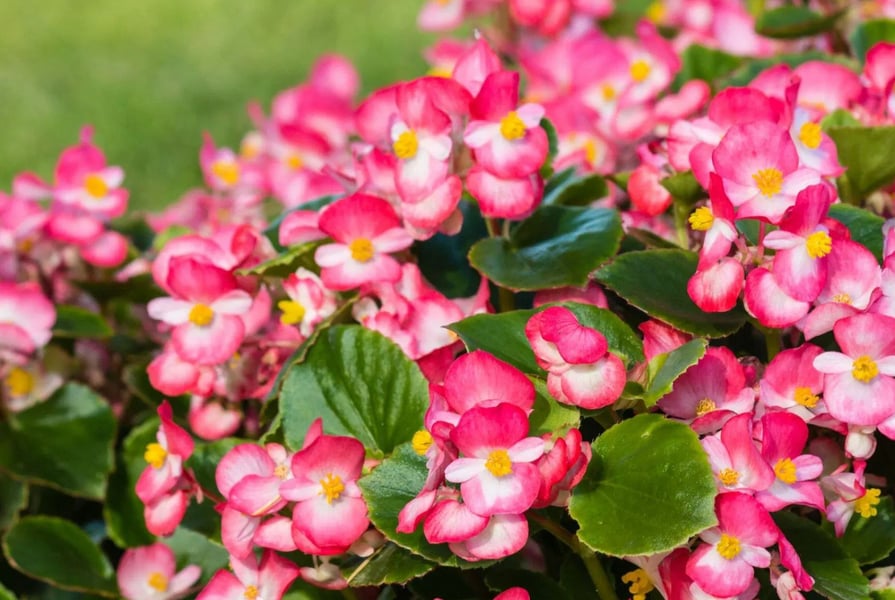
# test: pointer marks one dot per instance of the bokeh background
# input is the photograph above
(152, 75)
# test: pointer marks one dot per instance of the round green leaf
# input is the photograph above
(388, 488)
(442, 258)
(389, 564)
(122, 510)
(655, 281)
(648, 489)
(865, 227)
(576, 191)
(790, 22)
(866, 171)
(205, 459)
(548, 415)
(684, 188)
(59, 552)
(193, 548)
(557, 246)
(64, 443)
(77, 322)
(871, 539)
(361, 384)
(866, 35)
(707, 64)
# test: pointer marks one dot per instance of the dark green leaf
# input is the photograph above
(388, 488)
(707, 64)
(389, 564)
(836, 575)
(549, 416)
(286, 263)
(790, 22)
(538, 585)
(644, 240)
(139, 288)
(122, 510)
(193, 548)
(872, 539)
(13, 497)
(6, 594)
(645, 465)
(868, 34)
(64, 442)
(557, 246)
(77, 322)
(655, 281)
(59, 552)
(862, 151)
(361, 384)
(684, 188)
(579, 191)
(442, 258)
(865, 227)
(666, 368)
(573, 576)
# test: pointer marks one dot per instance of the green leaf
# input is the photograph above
(751, 68)
(139, 288)
(791, 22)
(860, 150)
(76, 322)
(872, 539)
(538, 585)
(272, 231)
(302, 590)
(361, 384)
(866, 35)
(193, 548)
(13, 498)
(549, 416)
(684, 188)
(552, 141)
(442, 258)
(59, 552)
(883, 594)
(388, 488)
(836, 575)
(655, 281)
(573, 576)
(6, 594)
(580, 191)
(389, 564)
(205, 459)
(503, 334)
(865, 227)
(707, 64)
(555, 247)
(123, 510)
(286, 263)
(839, 118)
(64, 443)
(666, 368)
(645, 465)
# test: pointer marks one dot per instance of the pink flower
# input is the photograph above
(783, 438)
(480, 379)
(791, 382)
(365, 229)
(148, 573)
(83, 180)
(736, 461)
(512, 198)
(249, 580)
(562, 467)
(766, 301)
(309, 301)
(26, 318)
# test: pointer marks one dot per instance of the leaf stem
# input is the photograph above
(492, 226)
(681, 213)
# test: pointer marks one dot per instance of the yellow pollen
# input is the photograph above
(805, 397)
(332, 487)
(640, 70)
(499, 463)
(590, 151)
(440, 72)
(866, 504)
(201, 315)
(511, 126)
(728, 546)
(281, 471)
(639, 584)
(819, 244)
(251, 592)
(361, 249)
(95, 186)
(608, 92)
(421, 441)
(769, 181)
(250, 149)
(19, 382)
(227, 171)
(785, 470)
(701, 219)
(864, 369)
(706, 405)
(729, 477)
(155, 455)
(158, 582)
(294, 162)
(809, 134)
(25, 245)
(406, 145)
(655, 12)
(293, 312)
(842, 298)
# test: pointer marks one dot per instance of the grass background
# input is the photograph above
(152, 75)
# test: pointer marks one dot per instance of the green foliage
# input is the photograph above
(865, 227)
(122, 510)
(865, 171)
(576, 191)
(790, 22)
(684, 188)
(871, 539)
(707, 64)
(77, 322)
(442, 258)
(193, 548)
(665, 368)
(390, 563)
(866, 35)
(549, 416)
(286, 263)
(13, 497)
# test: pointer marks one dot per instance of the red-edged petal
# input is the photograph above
(451, 521)
(482, 429)
(479, 377)
(504, 535)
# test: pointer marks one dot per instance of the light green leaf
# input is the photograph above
(707, 64)
(286, 263)
(122, 510)
(666, 368)
(389, 564)
(548, 415)
(193, 548)
(13, 498)
(791, 22)
(684, 188)
(869, 33)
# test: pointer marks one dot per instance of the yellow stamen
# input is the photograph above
(639, 584)
(406, 145)
(785, 470)
(819, 244)
(842, 298)
(729, 477)
(706, 405)
(293, 312)
(590, 152)
(361, 249)
(608, 92)
(655, 12)
(332, 487)
(864, 369)
(95, 186)
(201, 315)
(227, 171)
(769, 181)
(805, 397)
(866, 504)
(809, 134)
(155, 455)
(294, 162)
(440, 72)
(511, 126)
(158, 582)
(19, 382)
(640, 70)
(251, 592)
(728, 546)
(701, 219)
(281, 471)
(499, 463)
(421, 441)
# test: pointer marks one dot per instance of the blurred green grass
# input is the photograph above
(152, 75)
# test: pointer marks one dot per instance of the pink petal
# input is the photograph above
(242, 460)
(451, 521)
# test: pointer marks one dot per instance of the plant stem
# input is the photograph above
(507, 301)
(680, 224)
(492, 227)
